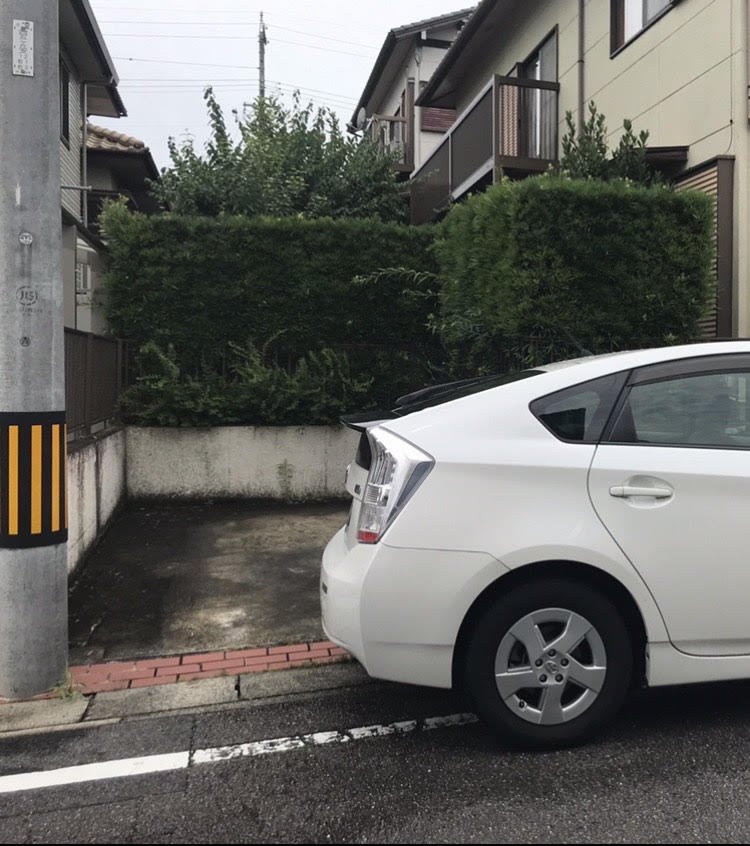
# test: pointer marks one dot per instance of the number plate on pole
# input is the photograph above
(23, 48)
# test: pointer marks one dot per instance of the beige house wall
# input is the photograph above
(676, 79)
(679, 79)
(530, 25)
(427, 142)
(684, 79)
(419, 66)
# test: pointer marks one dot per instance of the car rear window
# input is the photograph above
(579, 414)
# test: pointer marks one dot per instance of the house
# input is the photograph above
(117, 166)
(386, 112)
(88, 86)
(95, 163)
(677, 68)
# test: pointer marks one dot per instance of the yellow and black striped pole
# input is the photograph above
(33, 504)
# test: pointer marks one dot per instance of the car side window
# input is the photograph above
(580, 413)
(706, 409)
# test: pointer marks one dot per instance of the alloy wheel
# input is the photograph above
(550, 666)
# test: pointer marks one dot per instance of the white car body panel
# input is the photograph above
(505, 493)
(691, 548)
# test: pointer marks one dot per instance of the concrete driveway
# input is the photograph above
(179, 578)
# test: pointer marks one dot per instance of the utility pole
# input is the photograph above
(33, 522)
(262, 41)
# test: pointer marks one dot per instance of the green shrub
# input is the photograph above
(319, 389)
(614, 265)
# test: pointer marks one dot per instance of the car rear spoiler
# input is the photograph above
(417, 400)
(366, 420)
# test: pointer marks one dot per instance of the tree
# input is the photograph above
(586, 156)
(629, 158)
(285, 162)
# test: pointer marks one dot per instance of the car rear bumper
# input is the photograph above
(341, 578)
(399, 611)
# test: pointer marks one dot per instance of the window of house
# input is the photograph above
(64, 102)
(542, 63)
(83, 278)
(539, 107)
(631, 17)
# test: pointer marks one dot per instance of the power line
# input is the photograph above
(157, 85)
(326, 49)
(192, 88)
(183, 23)
(233, 38)
(325, 37)
(168, 79)
(158, 81)
(170, 36)
(175, 62)
(116, 9)
(243, 23)
(229, 67)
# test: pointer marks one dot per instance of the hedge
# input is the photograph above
(206, 291)
(614, 265)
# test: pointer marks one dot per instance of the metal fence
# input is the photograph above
(95, 372)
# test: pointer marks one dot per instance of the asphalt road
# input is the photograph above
(675, 767)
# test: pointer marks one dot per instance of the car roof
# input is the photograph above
(624, 359)
(550, 378)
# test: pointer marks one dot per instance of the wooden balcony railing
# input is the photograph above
(393, 134)
(526, 131)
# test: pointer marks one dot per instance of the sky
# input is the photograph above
(167, 51)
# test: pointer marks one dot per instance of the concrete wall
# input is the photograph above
(306, 462)
(96, 488)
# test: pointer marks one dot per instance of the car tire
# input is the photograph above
(533, 680)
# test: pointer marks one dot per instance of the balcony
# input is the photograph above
(394, 134)
(509, 130)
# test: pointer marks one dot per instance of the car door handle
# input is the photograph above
(639, 490)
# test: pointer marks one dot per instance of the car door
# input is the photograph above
(670, 480)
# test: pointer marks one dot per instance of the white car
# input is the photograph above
(554, 538)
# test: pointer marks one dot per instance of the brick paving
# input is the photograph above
(121, 675)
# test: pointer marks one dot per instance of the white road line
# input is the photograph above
(94, 772)
(181, 760)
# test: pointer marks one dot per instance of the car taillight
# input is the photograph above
(396, 471)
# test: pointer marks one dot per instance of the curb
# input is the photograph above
(148, 672)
